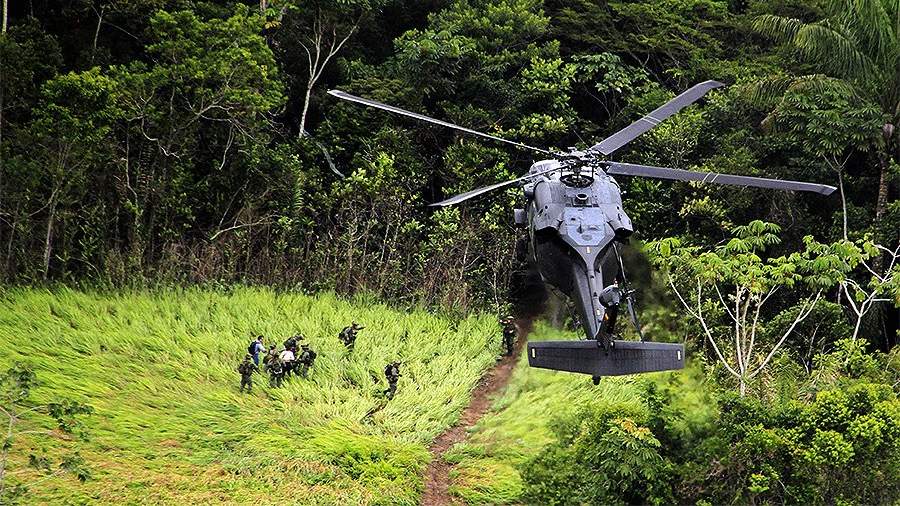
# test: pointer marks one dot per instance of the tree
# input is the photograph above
(16, 407)
(734, 283)
(830, 123)
(322, 28)
(855, 48)
(882, 279)
(70, 135)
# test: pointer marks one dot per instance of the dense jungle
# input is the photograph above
(175, 179)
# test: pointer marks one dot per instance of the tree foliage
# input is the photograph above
(841, 446)
(157, 141)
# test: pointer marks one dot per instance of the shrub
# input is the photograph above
(841, 445)
(604, 455)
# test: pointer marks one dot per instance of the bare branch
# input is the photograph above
(709, 335)
(801, 315)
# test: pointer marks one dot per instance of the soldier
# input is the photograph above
(392, 373)
(348, 335)
(247, 368)
(271, 355)
(276, 371)
(291, 342)
(306, 360)
(509, 334)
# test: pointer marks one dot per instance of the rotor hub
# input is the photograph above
(577, 179)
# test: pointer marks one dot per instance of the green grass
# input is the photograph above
(171, 427)
(520, 423)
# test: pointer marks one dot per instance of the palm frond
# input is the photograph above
(835, 49)
(771, 90)
(820, 83)
(871, 21)
(767, 91)
(778, 28)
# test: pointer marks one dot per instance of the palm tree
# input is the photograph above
(856, 48)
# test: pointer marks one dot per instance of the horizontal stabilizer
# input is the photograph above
(625, 357)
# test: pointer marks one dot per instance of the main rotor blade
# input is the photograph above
(456, 199)
(396, 110)
(629, 133)
(630, 169)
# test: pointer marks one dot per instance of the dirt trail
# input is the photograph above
(437, 476)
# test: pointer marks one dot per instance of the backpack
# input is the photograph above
(276, 366)
(252, 348)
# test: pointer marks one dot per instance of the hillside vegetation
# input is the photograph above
(170, 426)
(488, 465)
(681, 438)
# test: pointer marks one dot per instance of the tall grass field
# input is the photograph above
(170, 426)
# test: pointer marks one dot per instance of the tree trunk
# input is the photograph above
(884, 161)
(859, 319)
(305, 107)
(843, 200)
(96, 33)
(5, 13)
(881, 204)
(48, 239)
(7, 268)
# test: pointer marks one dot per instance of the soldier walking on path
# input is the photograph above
(348, 335)
(392, 373)
(509, 334)
(247, 368)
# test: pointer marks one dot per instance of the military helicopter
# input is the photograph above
(575, 221)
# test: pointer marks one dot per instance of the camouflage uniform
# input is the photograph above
(271, 355)
(276, 372)
(247, 368)
(348, 335)
(307, 359)
(392, 373)
(291, 343)
(509, 334)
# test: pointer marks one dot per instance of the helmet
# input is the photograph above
(356, 325)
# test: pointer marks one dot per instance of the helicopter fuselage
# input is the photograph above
(574, 218)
